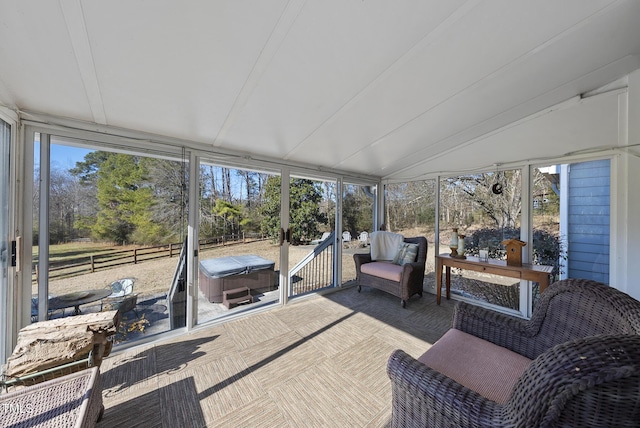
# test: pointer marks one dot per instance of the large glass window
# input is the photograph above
(410, 210)
(114, 226)
(357, 223)
(549, 246)
(485, 209)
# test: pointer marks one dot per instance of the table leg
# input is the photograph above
(544, 283)
(448, 281)
(438, 280)
(76, 310)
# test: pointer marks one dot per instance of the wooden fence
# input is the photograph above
(92, 263)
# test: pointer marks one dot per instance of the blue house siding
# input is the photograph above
(589, 220)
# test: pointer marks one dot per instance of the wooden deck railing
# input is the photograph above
(315, 271)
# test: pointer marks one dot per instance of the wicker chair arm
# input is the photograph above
(425, 397)
(503, 330)
(409, 268)
(587, 382)
(413, 272)
(361, 259)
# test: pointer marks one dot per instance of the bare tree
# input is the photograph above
(410, 204)
(62, 205)
(496, 195)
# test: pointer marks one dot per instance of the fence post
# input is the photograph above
(135, 256)
(93, 268)
(170, 250)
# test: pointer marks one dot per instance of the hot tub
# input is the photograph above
(228, 273)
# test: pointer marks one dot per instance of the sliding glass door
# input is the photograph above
(239, 257)
(312, 222)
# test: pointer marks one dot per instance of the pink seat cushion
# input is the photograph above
(384, 270)
(490, 370)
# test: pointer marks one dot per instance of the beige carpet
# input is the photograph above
(319, 362)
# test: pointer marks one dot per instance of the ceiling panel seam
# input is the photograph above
(453, 148)
(79, 37)
(494, 74)
(450, 145)
(429, 38)
(279, 33)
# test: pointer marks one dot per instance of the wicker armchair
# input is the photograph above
(411, 279)
(584, 340)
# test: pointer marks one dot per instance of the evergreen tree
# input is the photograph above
(124, 200)
(168, 181)
(87, 171)
(231, 215)
(304, 209)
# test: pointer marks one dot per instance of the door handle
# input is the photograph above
(285, 236)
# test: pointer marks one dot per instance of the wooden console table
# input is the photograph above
(536, 273)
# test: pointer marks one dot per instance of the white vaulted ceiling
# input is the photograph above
(393, 89)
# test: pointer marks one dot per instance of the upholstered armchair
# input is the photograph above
(402, 278)
(576, 362)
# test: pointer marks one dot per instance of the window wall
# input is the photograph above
(486, 207)
(104, 212)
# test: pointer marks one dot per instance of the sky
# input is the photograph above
(65, 157)
(62, 157)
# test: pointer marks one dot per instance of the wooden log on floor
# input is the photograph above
(52, 343)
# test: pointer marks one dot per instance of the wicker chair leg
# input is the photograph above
(403, 303)
(359, 288)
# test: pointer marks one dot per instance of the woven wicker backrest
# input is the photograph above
(577, 308)
(588, 382)
(586, 372)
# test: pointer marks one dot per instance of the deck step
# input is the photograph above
(236, 296)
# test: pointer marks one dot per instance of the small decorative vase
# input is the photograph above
(461, 244)
(453, 245)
